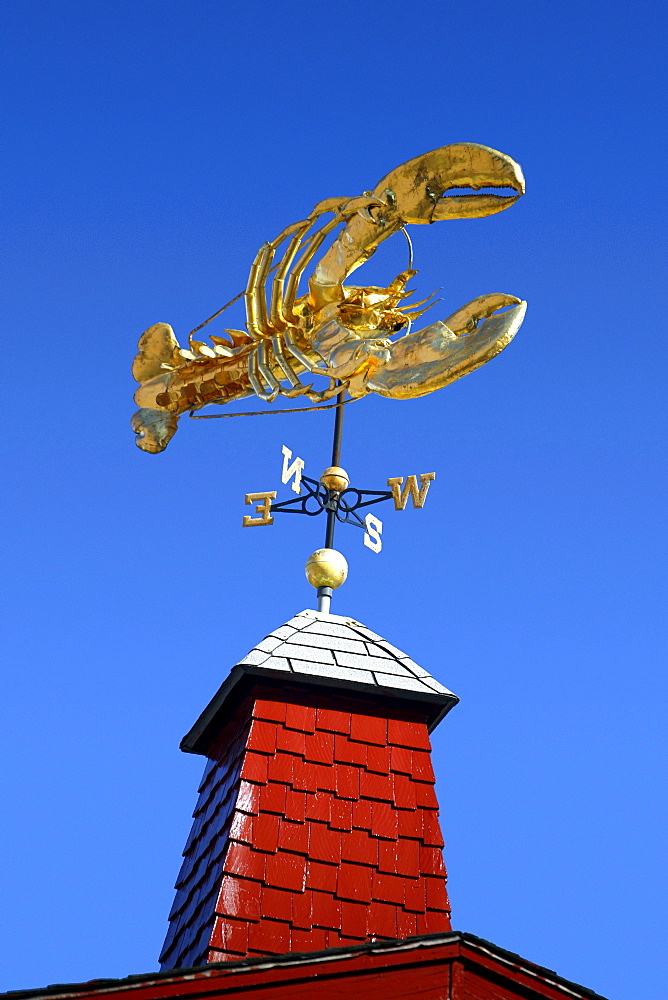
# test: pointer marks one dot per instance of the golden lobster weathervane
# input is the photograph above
(336, 330)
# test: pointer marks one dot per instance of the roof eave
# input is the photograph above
(209, 724)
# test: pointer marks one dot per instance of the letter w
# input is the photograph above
(418, 496)
(292, 470)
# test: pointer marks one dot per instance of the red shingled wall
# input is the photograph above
(317, 826)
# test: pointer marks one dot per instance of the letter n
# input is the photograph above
(292, 470)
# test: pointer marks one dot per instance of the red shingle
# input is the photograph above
(425, 796)
(321, 876)
(337, 940)
(408, 734)
(319, 806)
(295, 806)
(431, 922)
(341, 814)
(262, 736)
(388, 888)
(381, 920)
(353, 919)
(431, 829)
(327, 776)
(334, 939)
(408, 857)
(368, 729)
(239, 897)
(310, 940)
(291, 741)
(406, 924)
(241, 828)
(300, 717)
(293, 837)
(354, 882)
(280, 767)
(229, 934)
(302, 909)
(347, 781)
(269, 936)
(333, 721)
(324, 844)
(376, 786)
(266, 832)
(349, 751)
(248, 798)
(326, 910)
(223, 956)
(272, 798)
(431, 861)
(414, 890)
(378, 759)
(286, 871)
(437, 897)
(254, 767)
(410, 822)
(404, 792)
(359, 847)
(276, 903)
(401, 760)
(243, 860)
(401, 857)
(271, 711)
(422, 766)
(305, 777)
(320, 748)
(383, 820)
(362, 814)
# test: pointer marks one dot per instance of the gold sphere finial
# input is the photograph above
(335, 479)
(326, 568)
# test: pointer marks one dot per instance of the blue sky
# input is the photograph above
(151, 148)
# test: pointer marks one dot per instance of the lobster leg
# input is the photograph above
(287, 305)
(256, 303)
(256, 306)
(277, 318)
(298, 388)
(259, 326)
(258, 365)
(297, 353)
(254, 379)
(332, 390)
(266, 372)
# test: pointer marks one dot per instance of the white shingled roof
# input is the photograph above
(331, 651)
(318, 645)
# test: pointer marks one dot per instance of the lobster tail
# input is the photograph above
(154, 429)
(158, 347)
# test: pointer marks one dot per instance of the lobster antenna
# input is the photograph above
(410, 249)
(271, 413)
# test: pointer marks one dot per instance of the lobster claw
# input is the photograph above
(418, 190)
(467, 318)
(429, 359)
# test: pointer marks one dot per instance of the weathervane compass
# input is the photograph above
(326, 568)
(339, 331)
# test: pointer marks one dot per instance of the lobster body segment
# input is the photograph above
(336, 330)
